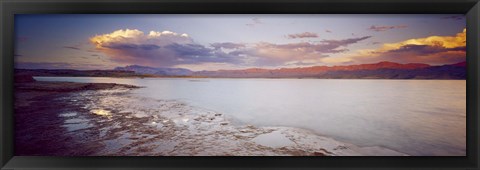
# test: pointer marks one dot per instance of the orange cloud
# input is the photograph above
(135, 36)
(435, 50)
(458, 40)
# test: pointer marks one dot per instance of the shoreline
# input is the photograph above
(234, 78)
(103, 119)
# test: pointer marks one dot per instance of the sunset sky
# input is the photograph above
(212, 42)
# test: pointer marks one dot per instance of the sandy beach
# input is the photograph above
(102, 119)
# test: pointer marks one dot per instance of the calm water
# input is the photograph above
(417, 117)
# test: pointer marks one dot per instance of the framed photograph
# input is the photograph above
(231, 84)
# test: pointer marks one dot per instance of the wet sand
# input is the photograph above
(86, 119)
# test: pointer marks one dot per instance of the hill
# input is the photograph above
(381, 70)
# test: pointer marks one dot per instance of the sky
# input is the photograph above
(229, 42)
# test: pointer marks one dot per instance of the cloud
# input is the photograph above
(187, 50)
(333, 44)
(255, 21)
(135, 37)
(162, 49)
(386, 27)
(434, 50)
(302, 35)
(227, 45)
(169, 49)
(133, 46)
(457, 40)
(195, 53)
(424, 49)
(269, 54)
(71, 47)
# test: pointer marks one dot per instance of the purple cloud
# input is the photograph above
(71, 47)
(167, 49)
(121, 46)
(227, 45)
(302, 35)
(332, 45)
(279, 54)
(385, 27)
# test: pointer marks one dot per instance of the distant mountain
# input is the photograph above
(156, 71)
(381, 70)
(462, 64)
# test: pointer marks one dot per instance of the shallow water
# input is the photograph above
(417, 117)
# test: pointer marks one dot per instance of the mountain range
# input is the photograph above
(381, 70)
(156, 71)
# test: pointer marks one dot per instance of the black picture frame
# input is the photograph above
(8, 8)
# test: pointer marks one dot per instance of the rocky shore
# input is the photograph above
(38, 129)
(99, 119)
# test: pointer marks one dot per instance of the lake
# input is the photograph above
(417, 117)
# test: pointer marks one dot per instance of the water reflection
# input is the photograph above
(101, 112)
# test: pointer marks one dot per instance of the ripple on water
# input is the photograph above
(75, 121)
(68, 114)
(155, 124)
(114, 145)
(77, 126)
